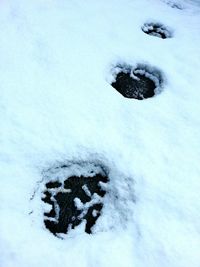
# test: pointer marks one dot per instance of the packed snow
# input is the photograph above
(58, 108)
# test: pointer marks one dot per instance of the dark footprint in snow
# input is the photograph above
(157, 29)
(173, 4)
(138, 83)
(74, 200)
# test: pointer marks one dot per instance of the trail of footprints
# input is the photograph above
(78, 198)
(141, 81)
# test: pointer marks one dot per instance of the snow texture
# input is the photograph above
(57, 107)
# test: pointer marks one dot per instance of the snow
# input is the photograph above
(57, 107)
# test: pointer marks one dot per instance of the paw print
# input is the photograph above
(72, 201)
(138, 82)
(157, 30)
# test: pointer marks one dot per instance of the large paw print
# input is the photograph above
(157, 30)
(72, 201)
(174, 4)
(138, 82)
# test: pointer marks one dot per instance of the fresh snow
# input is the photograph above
(57, 107)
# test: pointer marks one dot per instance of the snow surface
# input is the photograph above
(56, 106)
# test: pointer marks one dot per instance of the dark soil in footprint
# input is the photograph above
(74, 200)
(140, 82)
(137, 86)
(157, 29)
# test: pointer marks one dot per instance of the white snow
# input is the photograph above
(57, 107)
